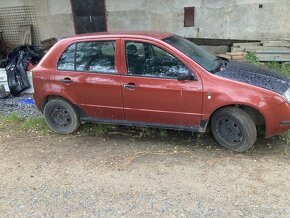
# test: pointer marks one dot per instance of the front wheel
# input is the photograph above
(234, 129)
(61, 117)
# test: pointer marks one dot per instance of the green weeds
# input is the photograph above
(252, 58)
(9, 120)
(30, 123)
(283, 68)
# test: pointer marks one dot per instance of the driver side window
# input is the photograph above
(144, 59)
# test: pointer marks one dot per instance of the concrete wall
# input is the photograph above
(53, 18)
(223, 19)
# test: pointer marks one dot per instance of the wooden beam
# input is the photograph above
(25, 34)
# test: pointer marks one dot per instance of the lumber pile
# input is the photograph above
(234, 55)
(265, 51)
(221, 49)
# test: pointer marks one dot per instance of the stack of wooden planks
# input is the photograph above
(233, 55)
(266, 50)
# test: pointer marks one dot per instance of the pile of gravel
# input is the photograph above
(11, 104)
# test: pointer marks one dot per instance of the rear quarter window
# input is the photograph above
(67, 59)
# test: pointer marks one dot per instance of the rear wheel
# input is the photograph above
(61, 117)
(234, 129)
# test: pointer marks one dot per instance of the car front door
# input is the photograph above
(88, 73)
(151, 92)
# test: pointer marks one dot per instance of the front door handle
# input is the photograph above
(130, 86)
(67, 80)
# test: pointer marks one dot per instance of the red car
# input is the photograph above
(161, 80)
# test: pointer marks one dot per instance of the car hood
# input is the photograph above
(256, 76)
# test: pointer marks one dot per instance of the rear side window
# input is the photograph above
(67, 60)
(98, 56)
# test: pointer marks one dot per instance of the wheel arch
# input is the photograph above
(256, 115)
(52, 96)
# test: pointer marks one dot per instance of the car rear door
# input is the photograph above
(151, 92)
(88, 73)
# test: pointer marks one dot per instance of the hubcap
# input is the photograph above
(60, 116)
(229, 130)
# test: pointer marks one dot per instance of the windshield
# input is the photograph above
(196, 53)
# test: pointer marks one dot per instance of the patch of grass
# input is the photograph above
(273, 66)
(10, 119)
(251, 58)
(147, 132)
(34, 123)
(163, 133)
(96, 129)
(30, 123)
(140, 132)
(283, 68)
(287, 136)
(144, 132)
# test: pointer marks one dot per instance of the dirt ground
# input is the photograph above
(117, 174)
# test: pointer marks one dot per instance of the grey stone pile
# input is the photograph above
(11, 104)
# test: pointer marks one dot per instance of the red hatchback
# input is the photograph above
(158, 80)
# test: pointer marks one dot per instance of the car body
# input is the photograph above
(107, 78)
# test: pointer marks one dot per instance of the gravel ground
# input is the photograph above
(10, 105)
(114, 175)
(119, 174)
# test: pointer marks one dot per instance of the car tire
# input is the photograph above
(234, 129)
(61, 117)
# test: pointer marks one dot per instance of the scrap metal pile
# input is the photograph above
(19, 60)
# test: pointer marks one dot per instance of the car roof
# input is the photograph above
(138, 34)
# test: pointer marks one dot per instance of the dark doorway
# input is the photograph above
(89, 16)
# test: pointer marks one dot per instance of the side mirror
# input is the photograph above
(187, 75)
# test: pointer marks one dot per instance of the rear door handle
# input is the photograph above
(130, 86)
(67, 80)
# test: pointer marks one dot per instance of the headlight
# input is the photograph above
(287, 95)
